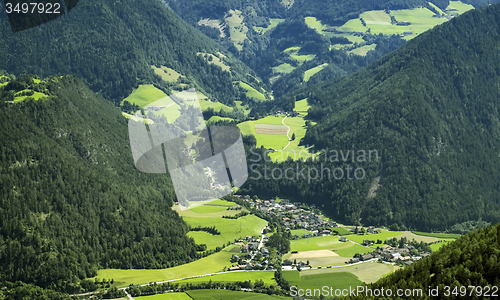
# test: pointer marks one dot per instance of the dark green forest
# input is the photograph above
(112, 47)
(430, 109)
(71, 200)
(472, 260)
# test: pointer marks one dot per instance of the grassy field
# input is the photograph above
(274, 23)
(312, 71)
(36, 96)
(230, 229)
(210, 264)
(274, 141)
(439, 235)
(302, 58)
(266, 276)
(441, 243)
(420, 18)
(166, 296)
(208, 209)
(314, 23)
(284, 68)
(217, 106)
(343, 230)
(436, 8)
(217, 118)
(366, 272)
(459, 6)
(361, 51)
(215, 60)
(144, 95)
(237, 30)
(308, 280)
(230, 295)
(299, 232)
(316, 243)
(348, 249)
(353, 25)
(374, 236)
(167, 74)
(251, 92)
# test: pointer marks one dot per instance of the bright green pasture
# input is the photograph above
(314, 23)
(420, 18)
(312, 71)
(144, 95)
(342, 230)
(230, 229)
(439, 235)
(237, 30)
(241, 106)
(284, 68)
(327, 242)
(222, 202)
(353, 25)
(293, 150)
(367, 272)
(215, 60)
(299, 232)
(167, 74)
(36, 96)
(436, 8)
(166, 296)
(348, 249)
(459, 6)
(337, 280)
(251, 92)
(361, 51)
(266, 276)
(292, 49)
(208, 208)
(374, 236)
(274, 23)
(217, 118)
(302, 58)
(217, 106)
(302, 107)
(230, 295)
(210, 264)
(435, 247)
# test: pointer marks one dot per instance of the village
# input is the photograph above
(254, 256)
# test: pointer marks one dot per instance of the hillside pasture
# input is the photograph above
(309, 73)
(274, 23)
(210, 264)
(237, 30)
(459, 6)
(251, 92)
(363, 50)
(230, 295)
(167, 74)
(284, 68)
(145, 94)
(166, 296)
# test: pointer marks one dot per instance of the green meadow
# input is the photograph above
(302, 58)
(420, 18)
(439, 235)
(144, 95)
(274, 23)
(166, 296)
(208, 208)
(284, 68)
(36, 96)
(361, 51)
(353, 25)
(312, 71)
(213, 59)
(217, 119)
(216, 106)
(166, 74)
(230, 229)
(210, 264)
(348, 249)
(314, 23)
(328, 242)
(299, 232)
(230, 295)
(367, 272)
(374, 236)
(459, 6)
(336, 280)
(237, 30)
(251, 92)
(266, 276)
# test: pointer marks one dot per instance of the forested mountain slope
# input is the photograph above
(71, 200)
(112, 45)
(468, 268)
(431, 109)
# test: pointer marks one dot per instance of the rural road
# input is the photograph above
(283, 122)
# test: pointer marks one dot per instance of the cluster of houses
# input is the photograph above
(390, 254)
(292, 216)
(249, 250)
(288, 113)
